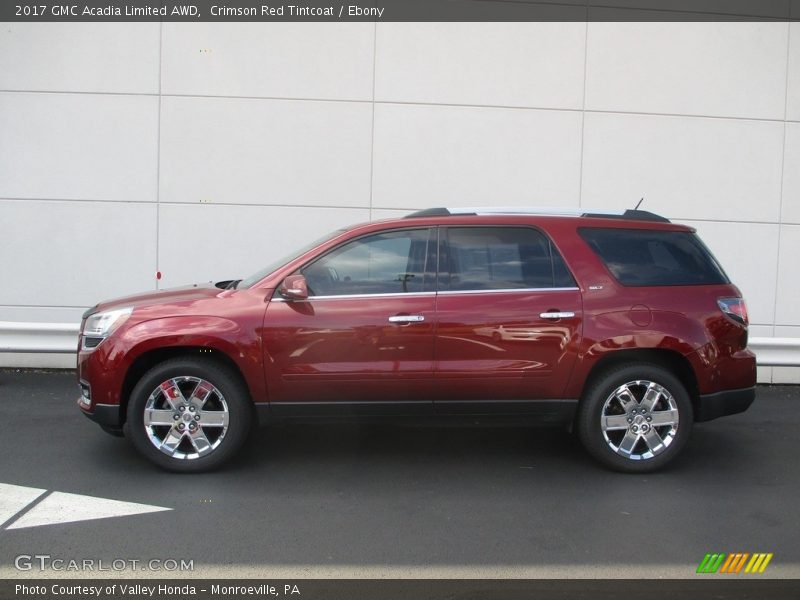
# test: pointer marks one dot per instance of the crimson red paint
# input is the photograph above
(435, 350)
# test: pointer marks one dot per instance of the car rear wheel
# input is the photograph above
(188, 415)
(635, 418)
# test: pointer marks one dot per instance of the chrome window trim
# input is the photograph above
(355, 296)
(509, 290)
(428, 294)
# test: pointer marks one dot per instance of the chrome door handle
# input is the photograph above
(556, 315)
(406, 319)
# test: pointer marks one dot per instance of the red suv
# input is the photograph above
(621, 326)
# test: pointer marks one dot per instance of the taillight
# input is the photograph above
(735, 308)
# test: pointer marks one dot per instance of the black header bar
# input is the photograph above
(701, 587)
(398, 10)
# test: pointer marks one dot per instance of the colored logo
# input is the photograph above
(734, 563)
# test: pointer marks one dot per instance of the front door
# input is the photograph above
(363, 340)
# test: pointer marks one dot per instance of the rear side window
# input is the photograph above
(500, 258)
(638, 257)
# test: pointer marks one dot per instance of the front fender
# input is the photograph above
(107, 366)
(240, 343)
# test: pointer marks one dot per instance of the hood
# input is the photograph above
(178, 295)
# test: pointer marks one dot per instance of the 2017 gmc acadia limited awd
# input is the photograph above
(622, 326)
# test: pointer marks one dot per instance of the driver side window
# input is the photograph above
(384, 263)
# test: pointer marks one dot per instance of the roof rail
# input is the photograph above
(562, 211)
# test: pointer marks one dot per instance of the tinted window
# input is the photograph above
(640, 257)
(497, 258)
(386, 263)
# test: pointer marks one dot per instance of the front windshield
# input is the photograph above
(274, 265)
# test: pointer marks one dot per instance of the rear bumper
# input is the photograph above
(720, 404)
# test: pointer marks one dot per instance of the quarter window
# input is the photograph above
(498, 258)
(641, 257)
(385, 263)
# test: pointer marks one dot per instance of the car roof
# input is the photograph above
(562, 211)
(568, 217)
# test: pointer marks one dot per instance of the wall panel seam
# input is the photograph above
(372, 125)
(583, 106)
(428, 104)
(158, 151)
(675, 219)
(783, 174)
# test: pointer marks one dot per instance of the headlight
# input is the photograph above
(100, 325)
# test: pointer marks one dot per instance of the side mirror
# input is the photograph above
(294, 287)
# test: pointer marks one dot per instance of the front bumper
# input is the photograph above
(106, 415)
(720, 404)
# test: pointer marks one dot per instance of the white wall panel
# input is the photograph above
(749, 254)
(686, 168)
(716, 69)
(38, 361)
(786, 312)
(793, 96)
(297, 60)
(43, 314)
(785, 375)
(232, 242)
(261, 123)
(790, 207)
(78, 146)
(265, 151)
(789, 375)
(75, 253)
(388, 213)
(80, 57)
(507, 64)
(40, 314)
(763, 374)
(451, 156)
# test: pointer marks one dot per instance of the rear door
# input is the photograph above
(509, 318)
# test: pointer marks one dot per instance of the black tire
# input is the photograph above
(234, 397)
(599, 408)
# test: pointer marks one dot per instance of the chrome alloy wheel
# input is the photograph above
(639, 420)
(186, 417)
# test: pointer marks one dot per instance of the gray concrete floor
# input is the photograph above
(388, 501)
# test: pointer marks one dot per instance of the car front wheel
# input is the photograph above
(635, 418)
(188, 415)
